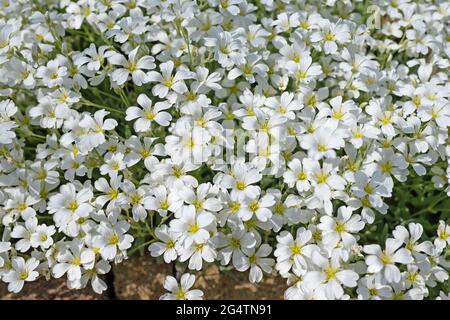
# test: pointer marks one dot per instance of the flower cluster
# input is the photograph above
(265, 136)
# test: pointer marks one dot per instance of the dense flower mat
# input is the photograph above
(266, 136)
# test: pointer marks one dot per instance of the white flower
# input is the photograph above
(166, 80)
(259, 126)
(196, 253)
(330, 277)
(94, 58)
(52, 74)
(181, 291)
(236, 246)
(241, 181)
(297, 175)
(7, 110)
(292, 251)
(410, 239)
(68, 206)
(247, 69)
(98, 285)
(163, 202)
(168, 247)
(443, 232)
(257, 262)
(72, 259)
(133, 66)
(188, 144)
(331, 34)
(191, 226)
(42, 236)
(94, 130)
(24, 233)
(384, 261)
(372, 287)
(304, 71)
(259, 208)
(21, 271)
(148, 113)
(113, 238)
(340, 228)
(113, 165)
(111, 191)
(322, 143)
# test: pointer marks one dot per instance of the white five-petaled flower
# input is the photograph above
(148, 114)
(379, 260)
(181, 291)
(133, 66)
(166, 80)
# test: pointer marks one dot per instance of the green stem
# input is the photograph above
(133, 250)
(98, 106)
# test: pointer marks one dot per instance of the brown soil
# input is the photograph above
(143, 278)
(54, 289)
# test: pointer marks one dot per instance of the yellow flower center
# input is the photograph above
(193, 228)
(113, 239)
(338, 115)
(385, 258)
(115, 166)
(302, 175)
(198, 204)
(357, 135)
(322, 147)
(340, 227)
(368, 189)
(181, 294)
(76, 261)
(235, 243)
(235, 206)
(386, 119)
(132, 67)
(87, 11)
(254, 206)
(247, 70)
(296, 249)
(150, 115)
(164, 204)
(168, 82)
(177, 172)
(72, 205)
(444, 235)
(322, 177)
(278, 208)
(23, 275)
(135, 198)
(240, 185)
(114, 194)
(170, 244)
(386, 167)
(329, 36)
(253, 259)
(331, 273)
(417, 101)
(365, 202)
